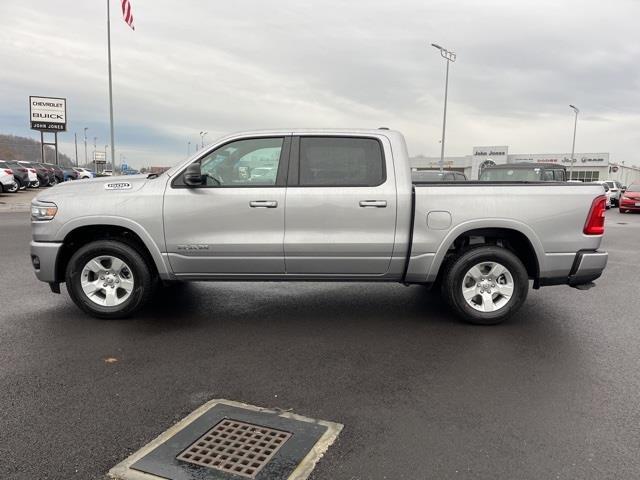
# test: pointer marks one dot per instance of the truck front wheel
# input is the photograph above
(485, 285)
(108, 279)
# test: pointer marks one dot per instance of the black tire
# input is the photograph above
(13, 188)
(453, 278)
(144, 279)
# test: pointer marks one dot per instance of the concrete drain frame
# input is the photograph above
(227, 440)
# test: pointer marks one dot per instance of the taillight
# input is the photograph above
(32, 170)
(9, 171)
(595, 219)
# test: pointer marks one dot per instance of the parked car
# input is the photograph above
(34, 181)
(84, 173)
(341, 207)
(616, 191)
(107, 173)
(607, 192)
(437, 176)
(32, 175)
(524, 172)
(57, 172)
(20, 173)
(43, 174)
(7, 181)
(51, 174)
(630, 199)
(69, 174)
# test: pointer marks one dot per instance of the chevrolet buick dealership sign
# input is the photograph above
(48, 114)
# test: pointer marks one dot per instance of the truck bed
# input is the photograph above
(550, 214)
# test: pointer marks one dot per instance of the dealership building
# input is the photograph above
(587, 167)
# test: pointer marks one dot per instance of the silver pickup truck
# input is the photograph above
(321, 205)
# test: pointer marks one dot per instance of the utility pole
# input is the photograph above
(449, 57)
(573, 144)
(86, 161)
(113, 147)
(75, 137)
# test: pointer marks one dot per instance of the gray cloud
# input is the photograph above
(226, 66)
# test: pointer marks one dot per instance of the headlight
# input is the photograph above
(41, 211)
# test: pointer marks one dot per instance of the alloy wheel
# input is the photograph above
(107, 281)
(487, 286)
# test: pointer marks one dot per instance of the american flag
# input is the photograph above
(126, 13)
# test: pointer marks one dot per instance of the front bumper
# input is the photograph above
(587, 266)
(627, 204)
(44, 257)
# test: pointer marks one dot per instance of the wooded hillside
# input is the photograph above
(21, 148)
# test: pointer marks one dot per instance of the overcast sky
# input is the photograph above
(229, 66)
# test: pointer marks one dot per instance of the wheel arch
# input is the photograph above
(520, 239)
(80, 233)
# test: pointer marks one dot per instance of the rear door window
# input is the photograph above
(341, 161)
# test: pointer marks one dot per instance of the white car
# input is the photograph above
(607, 192)
(616, 190)
(7, 181)
(84, 173)
(33, 176)
(107, 172)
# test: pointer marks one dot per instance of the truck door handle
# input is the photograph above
(263, 204)
(373, 203)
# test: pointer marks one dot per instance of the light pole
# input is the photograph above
(75, 138)
(449, 57)
(106, 147)
(86, 163)
(573, 145)
(202, 135)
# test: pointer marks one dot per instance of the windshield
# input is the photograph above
(511, 175)
(611, 184)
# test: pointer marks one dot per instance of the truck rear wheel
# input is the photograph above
(109, 279)
(485, 285)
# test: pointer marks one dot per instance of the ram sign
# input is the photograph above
(48, 114)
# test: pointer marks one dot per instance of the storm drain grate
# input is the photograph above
(236, 447)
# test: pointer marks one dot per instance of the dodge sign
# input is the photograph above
(48, 114)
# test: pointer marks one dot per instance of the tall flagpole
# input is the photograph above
(113, 147)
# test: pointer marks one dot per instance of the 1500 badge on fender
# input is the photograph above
(117, 186)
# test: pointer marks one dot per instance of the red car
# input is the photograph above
(630, 199)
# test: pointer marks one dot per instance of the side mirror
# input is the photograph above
(192, 175)
(624, 188)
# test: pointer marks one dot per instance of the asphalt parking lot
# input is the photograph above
(553, 393)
